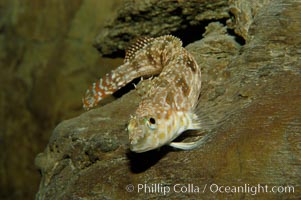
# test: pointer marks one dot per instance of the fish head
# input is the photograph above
(147, 130)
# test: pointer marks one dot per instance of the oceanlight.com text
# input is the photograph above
(212, 188)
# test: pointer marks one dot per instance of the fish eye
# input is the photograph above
(152, 120)
(151, 123)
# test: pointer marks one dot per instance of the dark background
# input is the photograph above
(46, 63)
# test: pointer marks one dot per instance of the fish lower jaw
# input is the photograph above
(145, 145)
(138, 150)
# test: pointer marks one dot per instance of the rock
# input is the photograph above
(244, 12)
(250, 108)
(156, 18)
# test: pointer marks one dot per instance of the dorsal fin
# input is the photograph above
(135, 46)
(171, 38)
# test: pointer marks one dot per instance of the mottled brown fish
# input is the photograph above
(168, 108)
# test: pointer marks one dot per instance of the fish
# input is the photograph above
(168, 106)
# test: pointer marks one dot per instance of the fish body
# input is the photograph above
(167, 108)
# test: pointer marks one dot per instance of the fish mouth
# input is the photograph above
(140, 143)
(136, 135)
(141, 148)
(143, 144)
(141, 139)
(137, 144)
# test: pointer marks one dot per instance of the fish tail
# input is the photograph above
(107, 85)
(115, 80)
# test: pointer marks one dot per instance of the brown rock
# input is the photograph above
(250, 108)
(156, 18)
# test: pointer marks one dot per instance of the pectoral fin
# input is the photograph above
(187, 145)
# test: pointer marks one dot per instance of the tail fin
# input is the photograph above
(107, 85)
(115, 80)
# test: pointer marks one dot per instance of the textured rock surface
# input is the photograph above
(244, 12)
(155, 18)
(250, 108)
(46, 62)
